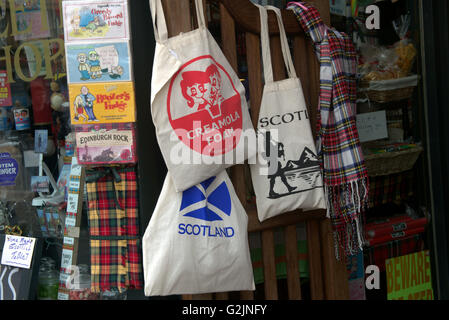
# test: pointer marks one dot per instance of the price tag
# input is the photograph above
(18, 251)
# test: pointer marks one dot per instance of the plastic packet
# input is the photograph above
(404, 49)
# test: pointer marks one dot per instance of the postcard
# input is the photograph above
(98, 62)
(95, 20)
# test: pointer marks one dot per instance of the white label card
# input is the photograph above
(18, 251)
(372, 126)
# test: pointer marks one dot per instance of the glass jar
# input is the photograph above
(48, 282)
(81, 285)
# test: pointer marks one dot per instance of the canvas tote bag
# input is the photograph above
(198, 103)
(197, 241)
(287, 175)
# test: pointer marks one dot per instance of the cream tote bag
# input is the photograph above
(198, 103)
(197, 241)
(287, 175)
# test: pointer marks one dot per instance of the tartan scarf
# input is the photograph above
(344, 173)
(114, 229)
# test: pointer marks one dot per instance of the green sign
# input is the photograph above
(408, 277)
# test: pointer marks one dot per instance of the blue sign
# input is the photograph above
(9, 169)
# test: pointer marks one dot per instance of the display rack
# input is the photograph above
(328, 278)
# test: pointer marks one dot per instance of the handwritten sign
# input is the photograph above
(409, 278)
(18, 251)
(372, 126)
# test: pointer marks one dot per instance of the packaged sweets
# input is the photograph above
(113, 143)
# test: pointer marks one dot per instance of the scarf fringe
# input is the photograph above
(345, 206)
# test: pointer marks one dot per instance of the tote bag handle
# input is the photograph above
(265, 42)
(159, 23)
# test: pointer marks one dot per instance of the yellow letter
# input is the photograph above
(13, 12)
(44, 16)
(4, 34)
(9, 66)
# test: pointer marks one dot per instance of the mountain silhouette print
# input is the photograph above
(206, 203)
(308, 159)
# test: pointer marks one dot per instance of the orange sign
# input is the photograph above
(102, 103)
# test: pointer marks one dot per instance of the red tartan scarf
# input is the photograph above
(113, 217)
(344, 172)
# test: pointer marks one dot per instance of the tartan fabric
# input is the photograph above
(390, 188)
(114, 229)
(378, 254)
(344, 171)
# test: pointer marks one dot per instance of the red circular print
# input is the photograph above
(204, 107)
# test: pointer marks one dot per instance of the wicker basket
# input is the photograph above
(378, 91)
(382, 164)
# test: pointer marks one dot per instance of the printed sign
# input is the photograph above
(204, 107)
(9, 169)
(22, 119)
(95, 20)
(409, 278)
(102, 103)
(18, 251)
(112, 143)
(5, 90)
(372, 126)
(101, 62)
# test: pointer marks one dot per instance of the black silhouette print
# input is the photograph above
(296, 176)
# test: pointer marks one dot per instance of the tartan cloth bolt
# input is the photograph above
(116, 262)
(344, 171)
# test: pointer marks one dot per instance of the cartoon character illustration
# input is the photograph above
(83, 67)
(94, 62)
(75, 21)
(78, 107)
(94, 24)
(91, 26)
(202, 90)
(88, 103)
